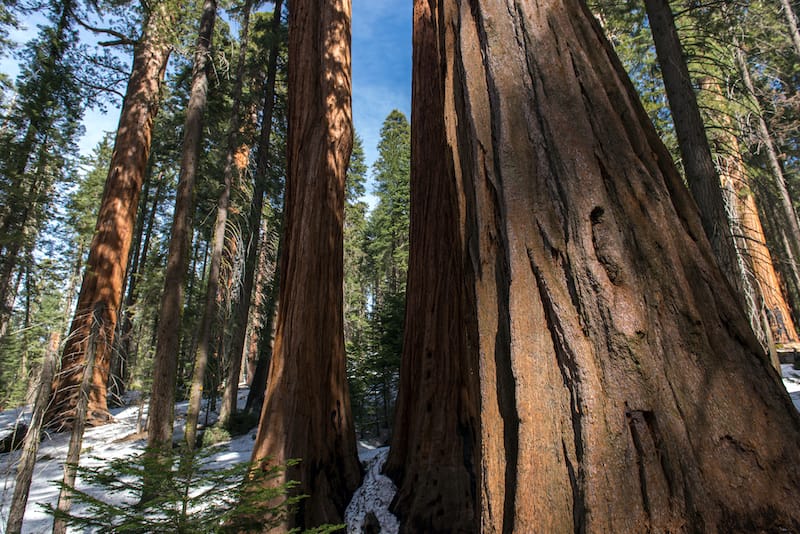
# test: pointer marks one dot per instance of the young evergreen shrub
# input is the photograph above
(193, 497)
(214, 435)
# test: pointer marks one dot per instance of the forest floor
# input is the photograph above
(119, 440)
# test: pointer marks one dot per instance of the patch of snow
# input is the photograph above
(100, 444)
(375, 495)
(791, 381)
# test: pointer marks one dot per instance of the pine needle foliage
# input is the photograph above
(195, 496)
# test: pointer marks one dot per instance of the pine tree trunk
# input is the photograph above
(585, 368)
(701, 174)
(7, 300)
(30, 447)
(94, 341)
(733, 175)
(240, 322)
(791, 19)
(263, 331)
(165, 363)
(211, 306)
(789, 222)
(307, 414)
(108, 255)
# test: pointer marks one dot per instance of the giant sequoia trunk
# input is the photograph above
(580, 364)
(101, 291)
(306, 412)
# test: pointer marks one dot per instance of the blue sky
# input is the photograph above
(381, 71)
(381, 65)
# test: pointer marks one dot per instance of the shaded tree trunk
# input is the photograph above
(598, 363)
(262, 333)
(252, 230)
(306, 414)
(701, 174)
(105, 269)
(211, 306)
(165, 363)
(30, 447)
(791, 19)
(734, 178)
(789, 222)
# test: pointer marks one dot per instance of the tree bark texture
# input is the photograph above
(306, 412)
(791, 19)
(608, 380)
(263, 324)
(701, 174)
(30, 447)
(253, 228)
(211, 304)
(789, 222)
(165, 364)
(734, 178)
(78, 423)
(101, 290)
(126, 341)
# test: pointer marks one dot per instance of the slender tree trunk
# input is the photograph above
(572, 351)
(22, 230)
(306, 414)
(791, 18)
(253, 229)
(7, 299)
(165, 365)
(734, 179)
(263, 335)
(789, 225)
(30, 447)
(701, 174)
(108, 255)
(94, 341)
(211, 307)
(23, 364)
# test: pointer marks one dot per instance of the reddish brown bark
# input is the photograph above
(788, 222)
(608, 381)
(101, 291)
(734, 177)
(306, 411)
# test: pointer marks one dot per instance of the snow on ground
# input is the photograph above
(119, 439)
(791, 380)
(375, 495)
(100, 444)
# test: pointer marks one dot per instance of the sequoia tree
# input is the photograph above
(574, 360)
(306, 412)
(101, 291)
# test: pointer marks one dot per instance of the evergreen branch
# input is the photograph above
(121, 38)
(100, 88)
